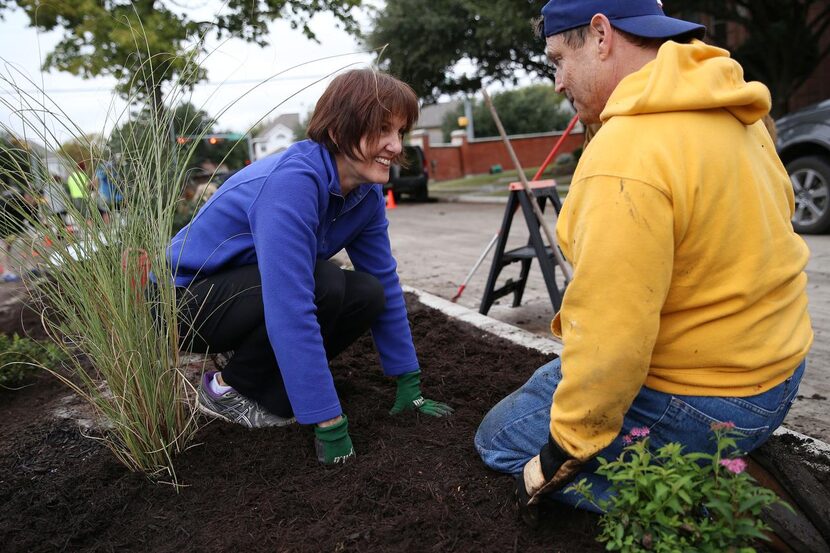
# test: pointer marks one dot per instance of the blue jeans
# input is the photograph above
(518, 426)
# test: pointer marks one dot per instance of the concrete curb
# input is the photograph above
(545, 345)
(503, 330)
(474, 199)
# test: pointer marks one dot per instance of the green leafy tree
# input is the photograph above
(84, 149)
(783, 41)
(301, 127)
(15, 162)
(190, 129)
(782, 46)
(531, 109)
(146, 43)
(425, 43)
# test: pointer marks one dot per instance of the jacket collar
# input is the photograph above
(356, 195)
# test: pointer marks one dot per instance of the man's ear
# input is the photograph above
(603, 34)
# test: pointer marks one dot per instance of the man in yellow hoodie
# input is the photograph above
(687, 306)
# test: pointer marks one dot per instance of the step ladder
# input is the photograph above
(545, 192)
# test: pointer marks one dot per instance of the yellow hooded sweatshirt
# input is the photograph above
(688, 277)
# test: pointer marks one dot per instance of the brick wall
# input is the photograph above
(464, 158)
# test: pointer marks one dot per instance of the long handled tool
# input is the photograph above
(560, 260)
(475, 267)
(536, 177)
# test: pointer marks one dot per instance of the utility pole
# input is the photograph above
(468, 113)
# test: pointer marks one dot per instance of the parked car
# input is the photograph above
(804, 146)
(411, 177)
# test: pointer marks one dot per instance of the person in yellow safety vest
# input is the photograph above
(79, 185)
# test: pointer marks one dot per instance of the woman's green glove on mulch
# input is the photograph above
(332, 443)
(409, 398)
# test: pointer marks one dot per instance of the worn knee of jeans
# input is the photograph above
(518, 426)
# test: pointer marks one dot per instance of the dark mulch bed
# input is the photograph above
(416, 485)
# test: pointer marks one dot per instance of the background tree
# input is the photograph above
(425, 43)
(145, 43)
(783, 41)
(302, 126)
(15, 162)
(782, 46)
(190, 132)
(531, 109)
(86, 148)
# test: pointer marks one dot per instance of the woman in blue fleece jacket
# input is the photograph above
(254, 277)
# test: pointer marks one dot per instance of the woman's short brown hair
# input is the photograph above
(357, 104)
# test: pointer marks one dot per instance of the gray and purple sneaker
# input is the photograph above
(236, 408)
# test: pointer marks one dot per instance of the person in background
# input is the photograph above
(80, 187)
(688, 306)
(54, 199)
(254, 276)
(16, 209)
(109, 196)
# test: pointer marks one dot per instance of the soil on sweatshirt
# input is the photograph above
(417, 483)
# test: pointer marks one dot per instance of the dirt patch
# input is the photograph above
(15, 316)
(416, 485)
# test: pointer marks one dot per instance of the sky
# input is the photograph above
(238, 91)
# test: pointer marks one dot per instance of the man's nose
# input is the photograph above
(558, 86)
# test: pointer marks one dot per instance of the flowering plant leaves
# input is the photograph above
(667, 500)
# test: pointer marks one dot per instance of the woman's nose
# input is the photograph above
(395, 144)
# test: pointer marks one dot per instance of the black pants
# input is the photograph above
(225, 312)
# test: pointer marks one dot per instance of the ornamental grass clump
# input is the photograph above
(668, 500)
(90, 279)
(88, 275)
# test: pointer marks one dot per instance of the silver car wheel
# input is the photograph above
(812, 195)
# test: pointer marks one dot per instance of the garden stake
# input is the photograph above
(475, 268)
(560, 260)
(556, 147)
(536, 177)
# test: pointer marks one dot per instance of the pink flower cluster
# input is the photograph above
(735, 466)
(638, 432)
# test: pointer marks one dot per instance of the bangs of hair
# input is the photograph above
(359, 104)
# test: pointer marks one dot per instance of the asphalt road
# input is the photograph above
(436, 244)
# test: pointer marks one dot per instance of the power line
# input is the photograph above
(209, 83)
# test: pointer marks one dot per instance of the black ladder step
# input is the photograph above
(525, 252)
(508, 288)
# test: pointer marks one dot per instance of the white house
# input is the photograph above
(276, 136)
(432, 117)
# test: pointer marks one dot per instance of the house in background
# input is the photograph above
(276, 136)
(431, 118)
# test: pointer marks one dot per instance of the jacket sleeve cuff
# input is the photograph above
(552, 457)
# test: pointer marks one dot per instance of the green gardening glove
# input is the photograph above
(409, 398)
(333, 444)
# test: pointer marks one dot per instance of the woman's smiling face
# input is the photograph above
(375, 159)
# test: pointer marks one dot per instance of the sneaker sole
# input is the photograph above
(207, 411)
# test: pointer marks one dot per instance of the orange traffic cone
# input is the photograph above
(390, 200)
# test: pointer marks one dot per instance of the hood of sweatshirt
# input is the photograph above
(689, 77)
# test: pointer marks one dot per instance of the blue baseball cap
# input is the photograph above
(643, 18)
